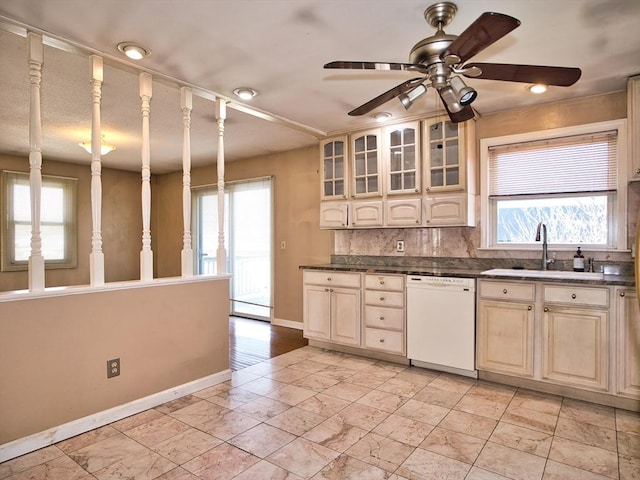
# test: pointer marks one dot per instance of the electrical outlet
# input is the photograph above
(113, 368)
(400, 246)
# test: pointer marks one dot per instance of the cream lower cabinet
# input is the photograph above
(575, 336)
(505, 328)
(332, 305)
(384, 313)
(628, 351)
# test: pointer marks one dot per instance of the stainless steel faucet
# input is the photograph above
(545, 257)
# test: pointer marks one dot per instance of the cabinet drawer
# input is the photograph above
(524, 292)
(589, 296)
(382, 298)
(384, 282)
(381, 317)
(386, 340)
(331, 278)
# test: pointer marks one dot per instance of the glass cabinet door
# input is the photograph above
(334, 169)
(444, 155)
(366, 165)
(404, 170)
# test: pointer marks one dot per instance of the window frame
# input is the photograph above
(70, 194)
(617, 224)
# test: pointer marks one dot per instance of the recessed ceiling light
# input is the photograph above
(381, 116)
(537, 88)
(133, 51)
(245, 93)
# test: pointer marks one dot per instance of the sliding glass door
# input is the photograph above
(248, 239)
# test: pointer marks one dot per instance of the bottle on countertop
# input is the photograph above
(578, 261)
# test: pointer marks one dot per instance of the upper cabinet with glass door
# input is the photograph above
(334, 168)
(403, 163)
(365, 153)
(446, 154)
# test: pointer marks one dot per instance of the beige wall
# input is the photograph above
(296, 219)
(164, 334)
(121, 225)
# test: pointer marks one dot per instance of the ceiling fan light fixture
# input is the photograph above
(245, 93)
(450, 99)
(537, 88)
(381, 116)
(407, 99)
(463, 93)
(133, 51)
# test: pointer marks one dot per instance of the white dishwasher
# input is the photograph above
(441, 323)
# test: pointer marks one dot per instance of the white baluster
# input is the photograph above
(221, 255)
(146, 255)
(96, 258)
(186, 103)
(36, 259)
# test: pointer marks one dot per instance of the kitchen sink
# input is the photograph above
(559, 274)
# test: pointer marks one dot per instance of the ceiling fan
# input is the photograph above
(441, 59)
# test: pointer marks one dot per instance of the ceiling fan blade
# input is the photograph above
(462, 116)
(372, 65)
(560, 76)
(386, 96)
(487, 29)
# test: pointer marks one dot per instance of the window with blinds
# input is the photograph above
(571, 183)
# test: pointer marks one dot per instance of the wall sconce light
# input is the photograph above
(408, 98)
(104, 147)
(133, 51)
(245, 93)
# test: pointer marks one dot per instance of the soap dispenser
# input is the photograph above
(578, 261)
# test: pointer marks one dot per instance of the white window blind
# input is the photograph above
(580, 163)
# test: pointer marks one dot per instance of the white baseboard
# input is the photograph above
(286, 323)
(53, 435)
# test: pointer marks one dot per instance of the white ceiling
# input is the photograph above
(278, 47)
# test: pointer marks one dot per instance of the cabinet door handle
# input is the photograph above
(381, 282)
(546, 309)
(622, 294)
(328, 279)
(382, 340)
(529, 307)
(381, 318)
(382, 299)
(504, 291)
(573, 295)
(327, 290)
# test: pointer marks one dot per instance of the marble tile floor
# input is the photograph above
(323, 415)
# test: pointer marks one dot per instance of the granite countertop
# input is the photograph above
(609, 280)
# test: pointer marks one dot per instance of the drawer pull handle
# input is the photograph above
(546, 309)
(328, 279)
(382, 340)
(381, 282)
(327, 290)
(382, 299)
(529, 307)
(504, 291)
(573, 295)
(381, 318)
(622, 294)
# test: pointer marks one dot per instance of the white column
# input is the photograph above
(186, 103)
(36, 260)
(146, 255)
(221, 255)
(96, 258)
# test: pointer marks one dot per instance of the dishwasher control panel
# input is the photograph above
(465, 283)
